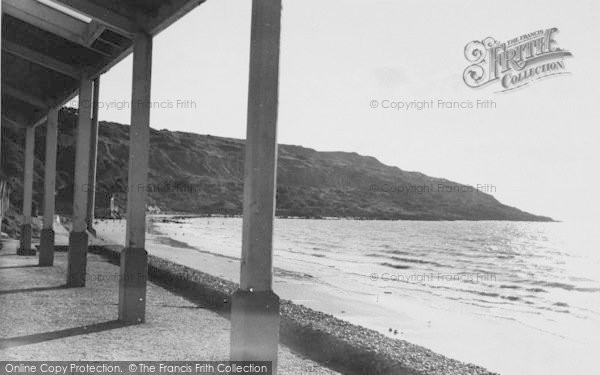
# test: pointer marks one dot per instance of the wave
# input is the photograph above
(568, 287)
(510, 287)
(537, 290)
(419, 261)
(291, 274)
(395, 266)
(410, 260)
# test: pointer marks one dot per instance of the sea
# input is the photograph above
(514, 297)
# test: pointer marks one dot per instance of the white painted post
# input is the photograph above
(3, 184)
(255, 308)
(134, 258)
(91, 205)
(47, 236)
(1, 167)
(78, 238)
(25, 248)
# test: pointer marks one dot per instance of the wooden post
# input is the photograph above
(25, 248)
(91, 188)
(47, 235)
(78, 238)
(134, 258)
(255, 308)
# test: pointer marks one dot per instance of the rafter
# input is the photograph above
(40, 59)
(124, 25)
(24, 97)
(47, 18)
(70, 20)
(94, 31)
(12, 122)
(170, 13)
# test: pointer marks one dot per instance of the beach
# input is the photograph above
(485, 330)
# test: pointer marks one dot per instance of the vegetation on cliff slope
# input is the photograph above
(203, 174)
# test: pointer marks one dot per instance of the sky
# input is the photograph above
(537, 147)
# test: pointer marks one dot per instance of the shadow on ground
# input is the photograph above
(41, 289)
(69, 332)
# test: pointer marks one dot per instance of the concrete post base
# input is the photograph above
(25, 246)
(132, 285)
(255, 327)
(77, 258)
(46, 248)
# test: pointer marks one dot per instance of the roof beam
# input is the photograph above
(54, 21)
(125, 25)
(40, 59)
(94, 31)
(59, 103)
(47, 18)
(12, 122)
(170, 13)
(24, 97)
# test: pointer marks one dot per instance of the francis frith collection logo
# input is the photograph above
(515, 63)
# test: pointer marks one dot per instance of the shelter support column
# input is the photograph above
(91, 188)
(46, 256)
(25, 246)
(255, 308)
(2, 183)
(134, 258)
(78, 238)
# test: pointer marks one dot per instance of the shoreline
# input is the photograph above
(180, 216)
